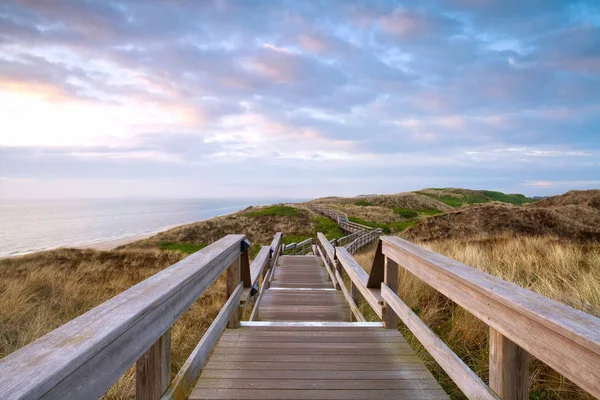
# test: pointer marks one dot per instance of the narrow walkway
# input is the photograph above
(303, 349)
(301, 291)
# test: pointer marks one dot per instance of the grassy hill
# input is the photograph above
(397, 212)
(572, 216)
(551, 246)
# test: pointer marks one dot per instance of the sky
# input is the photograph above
(297, 99)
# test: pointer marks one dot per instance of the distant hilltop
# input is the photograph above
(441, 213)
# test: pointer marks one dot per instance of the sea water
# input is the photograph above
(28, 226)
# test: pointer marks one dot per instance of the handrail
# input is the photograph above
(470, 384)
(266, 283)
(184, 382)
(521, 322)
(363, 241)
(359, 278)
(104, 342)
(295, 248)
(256, 269)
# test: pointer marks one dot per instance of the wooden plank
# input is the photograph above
(470, 384)
(317, 339)
(233, 281)
(259, 394)
(324, 349)
(310, 325)
(327, 247)
(306, 384)
(359, 278)
(153, 370)
(259, 263)
(377, 269)
(276, 243)
(307, 373)
(329, 272)
(415, 364)
(310, 358)
(83, 358)
(390, 279)
(353, 307)
(321, 332)
(509, 368)
(565, 339)
(183, 383)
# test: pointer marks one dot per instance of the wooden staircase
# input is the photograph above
(303, 347)
(298, 341)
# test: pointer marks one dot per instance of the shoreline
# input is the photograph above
(112, 244)
(101, 245)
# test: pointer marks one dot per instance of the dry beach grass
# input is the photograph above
(550, 247)
(560, 269)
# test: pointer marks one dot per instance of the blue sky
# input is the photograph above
(297, 98)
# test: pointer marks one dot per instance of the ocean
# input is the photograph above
(29, 226)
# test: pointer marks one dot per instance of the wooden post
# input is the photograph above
(354, 293)
(153, 370)
(340, 270)
(233, 280)
(390, 278)
(509, 368)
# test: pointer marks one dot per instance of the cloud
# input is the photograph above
(143, 88)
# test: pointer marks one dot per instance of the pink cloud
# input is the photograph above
(313, 44)
(403, 24)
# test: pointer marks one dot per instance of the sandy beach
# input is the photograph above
(114, 243)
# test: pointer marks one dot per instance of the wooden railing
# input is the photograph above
(362, 241)
(275, 250)
(521, 322)
(85, 357)
(300, 248)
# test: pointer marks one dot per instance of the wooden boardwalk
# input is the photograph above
(304, 348)
(298, 342)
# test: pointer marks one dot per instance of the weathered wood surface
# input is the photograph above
(363, 240)
(359, 277)
(327, 248)
(468, 382)
(329, 271)
(566, 339)
(302, 276)
(509, 368)
(184, 382)
(84, 357)
(153, 370)
(352, 302)
(316, 363)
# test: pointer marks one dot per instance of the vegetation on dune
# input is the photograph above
(187, 248)
(460, 197)
(507, 198)
(557, 268)
(329, 228)
(551, 246)
(275, 211)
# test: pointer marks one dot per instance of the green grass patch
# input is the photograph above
(448, 200)
(327, 227)
(475, 198)
(429, 211)
(402, 225)
(375, 225)
(187, 248)
(275, 211)
(406, 213)
(507, 198)
(287, 239)
(363, 203)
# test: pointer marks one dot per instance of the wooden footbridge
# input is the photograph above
(305, 337)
